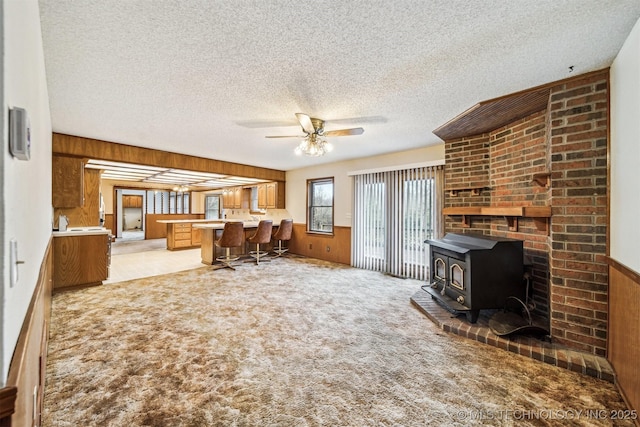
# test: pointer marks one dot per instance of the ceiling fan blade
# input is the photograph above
(285, 136)
(345, 132)
(305, 122)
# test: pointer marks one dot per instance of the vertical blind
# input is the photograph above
(394, 212)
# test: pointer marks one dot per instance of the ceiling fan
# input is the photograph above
(314, 142)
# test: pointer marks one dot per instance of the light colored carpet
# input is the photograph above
(294, 342)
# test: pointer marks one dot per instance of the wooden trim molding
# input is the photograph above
(103, 150)
(633, 275)
(495, 113)
(27, 370)
(7, 403)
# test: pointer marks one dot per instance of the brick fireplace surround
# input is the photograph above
(554, 157)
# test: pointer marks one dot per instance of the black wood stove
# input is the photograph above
(472, 272)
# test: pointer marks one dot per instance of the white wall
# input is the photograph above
(625, 153)
(296, 189)
(29, 221)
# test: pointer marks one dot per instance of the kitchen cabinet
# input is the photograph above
(178, 236)
(237, 197)
(232, 198)
(129, 201)
(267, 195)
(262, 196)
(80, 260)
(272, 190)
(182, 235)
(67, 179)
(196, 236)
(225, 199)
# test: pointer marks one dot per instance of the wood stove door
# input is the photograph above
(440, 269)
(457, 270)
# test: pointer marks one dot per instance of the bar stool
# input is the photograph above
(282, 234)
(232, 236)
(261, 236)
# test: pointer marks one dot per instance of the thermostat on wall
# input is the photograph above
(19, 133)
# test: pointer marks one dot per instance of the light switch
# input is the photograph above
(13, 260)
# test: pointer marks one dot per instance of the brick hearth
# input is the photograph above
(528, 346)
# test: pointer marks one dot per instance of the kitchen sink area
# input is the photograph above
(81, 231)
(81, 255)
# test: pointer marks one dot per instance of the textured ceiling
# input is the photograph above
(213, 78)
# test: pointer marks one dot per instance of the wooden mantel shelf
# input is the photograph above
(522, 211)
(540, 214)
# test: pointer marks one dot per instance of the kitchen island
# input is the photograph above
(181, 234)
(212, 232)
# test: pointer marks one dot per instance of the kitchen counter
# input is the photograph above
(220, 224)
(81, 231)
(186, 221)
(186, 233)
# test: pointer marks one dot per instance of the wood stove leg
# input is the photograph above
(472, 315)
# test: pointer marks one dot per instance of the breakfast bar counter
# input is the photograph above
(210, 232)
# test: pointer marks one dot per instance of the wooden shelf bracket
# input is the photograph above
(542, 179)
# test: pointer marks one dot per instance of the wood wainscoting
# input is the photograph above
(334, 247)
(624, 330)
(28, 367)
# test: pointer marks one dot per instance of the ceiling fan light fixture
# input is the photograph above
(313, 145)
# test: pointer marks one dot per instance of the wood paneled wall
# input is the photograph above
(155, 230)
(28, 366)
(336, 247)
(624, 330)
(103, 150)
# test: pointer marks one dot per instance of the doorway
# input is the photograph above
(130, 219)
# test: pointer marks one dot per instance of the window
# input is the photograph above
(168, 202)
(394, 213)
(320, 205)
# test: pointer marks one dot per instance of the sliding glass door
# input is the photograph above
(394, 212)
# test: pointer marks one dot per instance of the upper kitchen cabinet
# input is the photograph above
(130, 201)
(232, 198)
(67, 182)
(267, 195)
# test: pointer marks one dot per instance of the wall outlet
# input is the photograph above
(328, 248)
(310, 246)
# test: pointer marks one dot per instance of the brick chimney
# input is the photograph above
(554, 157)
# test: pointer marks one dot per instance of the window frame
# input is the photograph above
(310, 185)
